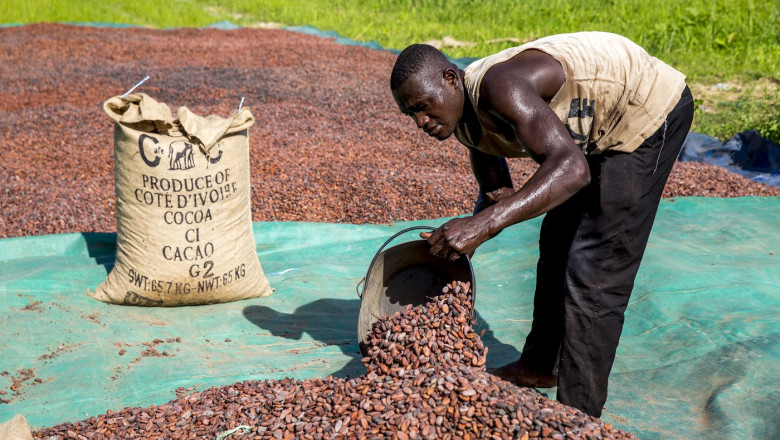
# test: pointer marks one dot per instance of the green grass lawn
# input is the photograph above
(730, 50)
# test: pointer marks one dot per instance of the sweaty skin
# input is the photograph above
(514, 97)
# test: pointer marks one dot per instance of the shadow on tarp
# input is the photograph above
(101, 246)
(307, 319)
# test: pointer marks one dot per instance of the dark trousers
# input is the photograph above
(590, 248)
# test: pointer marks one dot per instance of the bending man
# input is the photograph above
(605, 121)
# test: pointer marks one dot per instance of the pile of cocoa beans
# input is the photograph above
(425, 379)
(328, 144)
(438, 333)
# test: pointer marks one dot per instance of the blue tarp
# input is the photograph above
(746, 153)
(699, 355)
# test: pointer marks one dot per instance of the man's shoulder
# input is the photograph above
(516, 75)
(492, 74)
(497, 81)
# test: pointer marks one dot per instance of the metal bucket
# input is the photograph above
(405, 274)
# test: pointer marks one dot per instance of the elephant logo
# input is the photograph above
(180, 156)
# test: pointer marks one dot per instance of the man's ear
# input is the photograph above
(451, 76)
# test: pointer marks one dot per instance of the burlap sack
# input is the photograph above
(184, 225)
(15, 429)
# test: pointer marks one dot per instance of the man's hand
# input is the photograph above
(457, 237)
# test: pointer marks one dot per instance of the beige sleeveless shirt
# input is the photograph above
(614, 97)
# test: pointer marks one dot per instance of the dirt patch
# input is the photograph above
(93, 317)
(34, 306)
(151, 349)
(62, 348)
(24, 377)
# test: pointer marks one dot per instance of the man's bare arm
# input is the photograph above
(513, 94)
(562, 170)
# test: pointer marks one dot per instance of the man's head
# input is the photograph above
(428, 87)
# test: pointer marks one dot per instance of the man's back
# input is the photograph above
(615, 94)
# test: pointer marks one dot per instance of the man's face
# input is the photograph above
(433, 100)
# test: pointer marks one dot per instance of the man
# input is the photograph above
(605, 121)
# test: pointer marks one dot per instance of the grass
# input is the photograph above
(730, 50)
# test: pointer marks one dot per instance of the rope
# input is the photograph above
(134, 87)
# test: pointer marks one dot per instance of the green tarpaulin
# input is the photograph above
(699, 356)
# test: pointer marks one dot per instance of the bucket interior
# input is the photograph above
(405, 274)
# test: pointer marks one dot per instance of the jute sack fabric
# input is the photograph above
(184, 225)
(15, 429)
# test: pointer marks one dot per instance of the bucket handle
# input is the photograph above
(381, 248)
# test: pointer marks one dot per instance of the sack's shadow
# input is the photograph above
(334, 322)
(102, 247)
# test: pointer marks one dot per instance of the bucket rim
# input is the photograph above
(364, 280)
